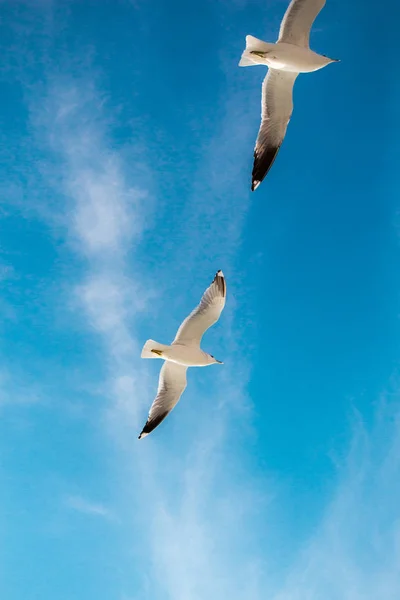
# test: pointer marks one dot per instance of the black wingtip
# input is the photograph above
(151, 424)
(263, 161)
(145, 431)
(219, 279)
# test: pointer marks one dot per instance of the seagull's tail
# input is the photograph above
(253, 44)
(153, 349)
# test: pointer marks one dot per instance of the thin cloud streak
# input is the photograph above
(87, 507)
(355, 552)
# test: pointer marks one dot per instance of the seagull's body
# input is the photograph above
(289, 58)
(285, 59)
(184, 352)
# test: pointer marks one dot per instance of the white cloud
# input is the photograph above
(107, 209)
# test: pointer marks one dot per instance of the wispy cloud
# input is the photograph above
(355, 551)
(87, 507)
(104, 218)
(106, 215)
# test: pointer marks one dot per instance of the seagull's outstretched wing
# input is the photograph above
(171, 385)
(205, 314)
(277, 106)
(297, 22)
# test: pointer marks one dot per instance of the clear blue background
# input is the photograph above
(277, 474)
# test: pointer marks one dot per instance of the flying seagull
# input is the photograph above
(287, 58)
(184, 352)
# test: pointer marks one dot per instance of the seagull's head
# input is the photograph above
(214, 360)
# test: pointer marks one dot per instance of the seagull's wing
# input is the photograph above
(205, 314)
(298, 20)
(277, 106)
(171, 385)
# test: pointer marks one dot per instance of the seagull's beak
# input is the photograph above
(219, 362)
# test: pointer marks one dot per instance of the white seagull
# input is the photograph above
(287, 58)
(184, 352)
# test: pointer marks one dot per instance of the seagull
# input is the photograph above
(184, 352)
(287, 58)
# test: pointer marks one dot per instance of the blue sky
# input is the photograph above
(125, 160)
